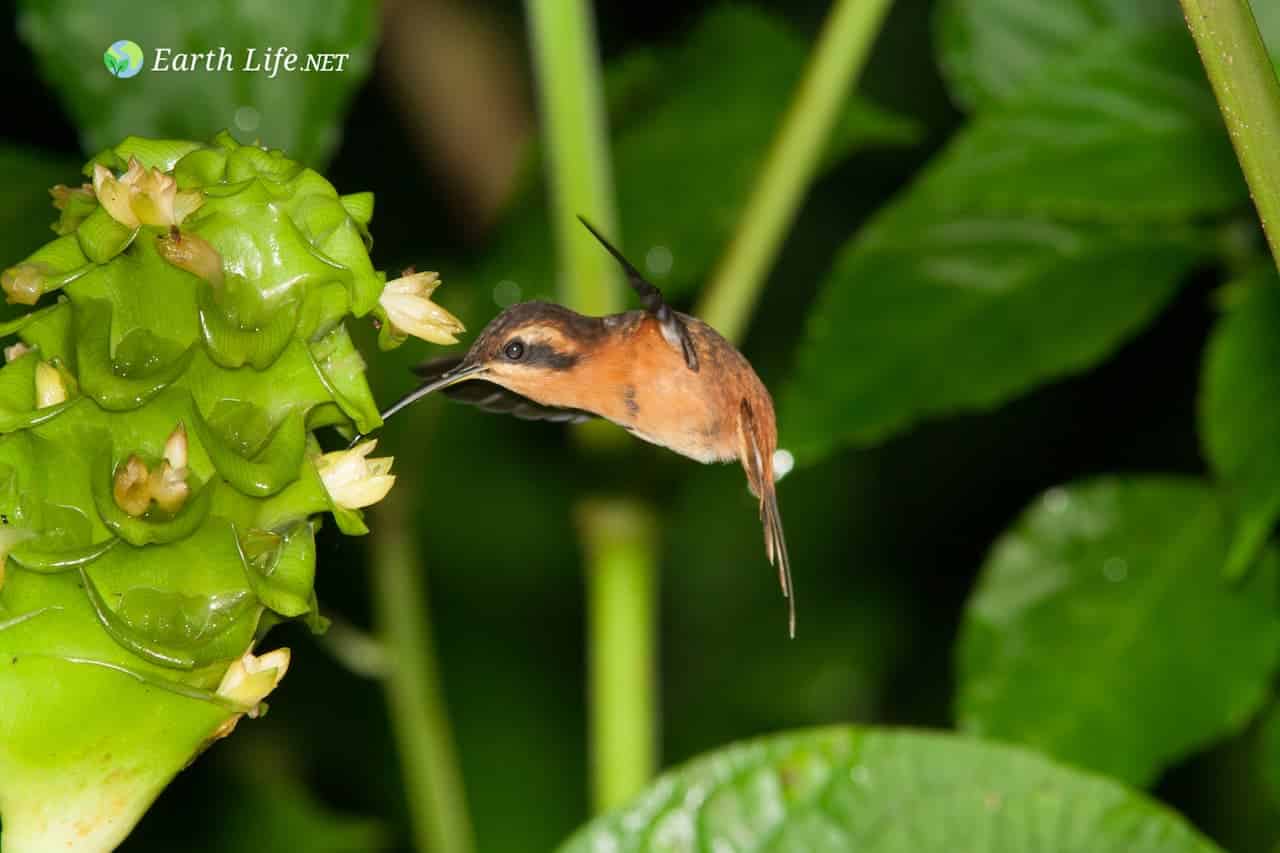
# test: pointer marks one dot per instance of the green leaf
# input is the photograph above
(691, 126)
(874, 791)
(1125, 131)
(1103, 633)
(989, 49)
(928, 313)
(295, 110)
(1025, 252)
(1240, 411)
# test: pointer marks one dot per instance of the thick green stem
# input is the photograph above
(571, 112)
(1244, 81)
(619, 541)
(620, 537)
(797, 151)
(433, 782)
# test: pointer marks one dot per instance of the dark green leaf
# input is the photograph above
(1103, 633)
(989, 49)
(1125, 131)
(926, 314)
(295, 110)
(868, 791)
(1240, 411)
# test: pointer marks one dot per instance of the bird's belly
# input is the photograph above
(683, 423)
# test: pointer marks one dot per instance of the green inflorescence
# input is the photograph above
(224, 330)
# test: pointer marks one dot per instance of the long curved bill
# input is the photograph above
(461, 373)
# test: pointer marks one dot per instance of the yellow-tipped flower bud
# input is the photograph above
(249, 679)
(50, 387)
(23, 284)
(132, 486)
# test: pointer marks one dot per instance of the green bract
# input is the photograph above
(118, 626)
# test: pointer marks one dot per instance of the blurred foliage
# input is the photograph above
(982, 301)
(296, 112)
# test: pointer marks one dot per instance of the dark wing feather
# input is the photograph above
(494, 398)
(674, 329)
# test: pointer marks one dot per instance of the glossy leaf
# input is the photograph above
(875, 791)
(296, 110)
(1103, 633)
(927, 313)
(1240, 411)
(990, 49)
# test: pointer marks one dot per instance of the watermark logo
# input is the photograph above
(123, 59)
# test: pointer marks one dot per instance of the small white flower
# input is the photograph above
(15, 352)
(410, 310)
(143, 196)
(352, 479)
(249, 679)
(50, 389)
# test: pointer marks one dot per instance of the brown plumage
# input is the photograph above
(667, 378)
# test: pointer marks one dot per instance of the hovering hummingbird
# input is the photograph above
(665, 377)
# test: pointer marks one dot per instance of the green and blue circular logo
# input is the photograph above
(123, 59)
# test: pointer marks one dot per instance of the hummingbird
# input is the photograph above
(665, 377)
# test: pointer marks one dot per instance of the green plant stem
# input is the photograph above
(434, 788)
(620, 538)
(620, 544)
(571, 111)
(797, 150)
(1244, 81)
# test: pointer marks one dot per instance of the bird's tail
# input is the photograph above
(775, 543)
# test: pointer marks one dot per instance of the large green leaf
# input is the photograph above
(1021, 254)
(990, 49)
(296, 110)
(870, 791)
(1240, 411)
(1103, 633)
(1125, 131)
(927, 314)
(692, 124)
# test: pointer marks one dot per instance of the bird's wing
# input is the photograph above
(760, 477)
(495, 398)
(674, 330)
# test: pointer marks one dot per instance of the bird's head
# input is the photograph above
(530, 348)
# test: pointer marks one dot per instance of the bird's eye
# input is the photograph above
(514, 350)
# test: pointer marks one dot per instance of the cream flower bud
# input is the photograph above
(249, 679)
(175, 448)
(168, 487)
(15, 352)
(410, 310)
(352, 479)
(132, 486)
(50, 389)
(23, 284)
(192, 253)
(143, 196)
